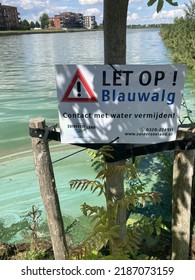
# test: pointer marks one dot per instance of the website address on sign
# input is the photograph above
(149, 134)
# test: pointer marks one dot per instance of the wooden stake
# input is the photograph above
(48, 191)
(183, 168)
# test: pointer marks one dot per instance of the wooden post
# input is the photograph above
(48, 191)
(115, 17)
(183, 168)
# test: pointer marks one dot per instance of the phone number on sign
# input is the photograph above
(161, 129)
(136, 270)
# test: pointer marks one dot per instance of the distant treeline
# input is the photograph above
(141, 26)
(179, 37)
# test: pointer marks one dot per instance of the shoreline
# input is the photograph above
(49, 31)
(42, 31)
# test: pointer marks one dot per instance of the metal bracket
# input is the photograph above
(50, 133)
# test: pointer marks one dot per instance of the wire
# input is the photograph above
(70, 155)
(80, 151)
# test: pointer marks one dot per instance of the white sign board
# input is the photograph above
(133, 103)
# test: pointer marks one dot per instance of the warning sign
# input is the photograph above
(132, 103)
(78, 88)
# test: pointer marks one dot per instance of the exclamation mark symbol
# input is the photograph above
(174, 78)
(79, 89)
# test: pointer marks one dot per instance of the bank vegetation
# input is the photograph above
(179, 37)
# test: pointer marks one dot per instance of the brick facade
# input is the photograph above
(9, 17)
(71, 20)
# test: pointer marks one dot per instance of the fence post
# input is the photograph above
(183, 167)
(48, 191)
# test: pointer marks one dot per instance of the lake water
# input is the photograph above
(28, 90)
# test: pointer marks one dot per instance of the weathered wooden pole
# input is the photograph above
(183, 168)
(115, 17)
(115, 25)
(48, 190)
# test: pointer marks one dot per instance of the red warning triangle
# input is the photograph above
(79, 76)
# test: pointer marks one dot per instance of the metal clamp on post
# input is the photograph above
(36, 132)
(49, 133)
(190, 144)
(48, 130)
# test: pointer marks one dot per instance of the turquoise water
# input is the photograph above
(19, 188)
(28, 90)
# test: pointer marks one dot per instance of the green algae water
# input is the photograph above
(28, 90)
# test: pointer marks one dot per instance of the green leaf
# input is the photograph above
(172, 3)
(165, 227)
(151, 2)
(158, 230)
(160, 5)
(108, 155)
(100, 174)
(97, 165)
(100, 228)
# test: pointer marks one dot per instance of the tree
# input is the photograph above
(37, 24)
(115, 16)
(44, 19)
(52, 23)
(32, 25)
(103, 227)
(190, 10)
(25, 25)
(180, 37)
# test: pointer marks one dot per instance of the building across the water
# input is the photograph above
(9, 17)
(89, 22)
(69, 20)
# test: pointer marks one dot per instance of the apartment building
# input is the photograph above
(66, 20)
(9, 17)
(71, 20)
(89, 22)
